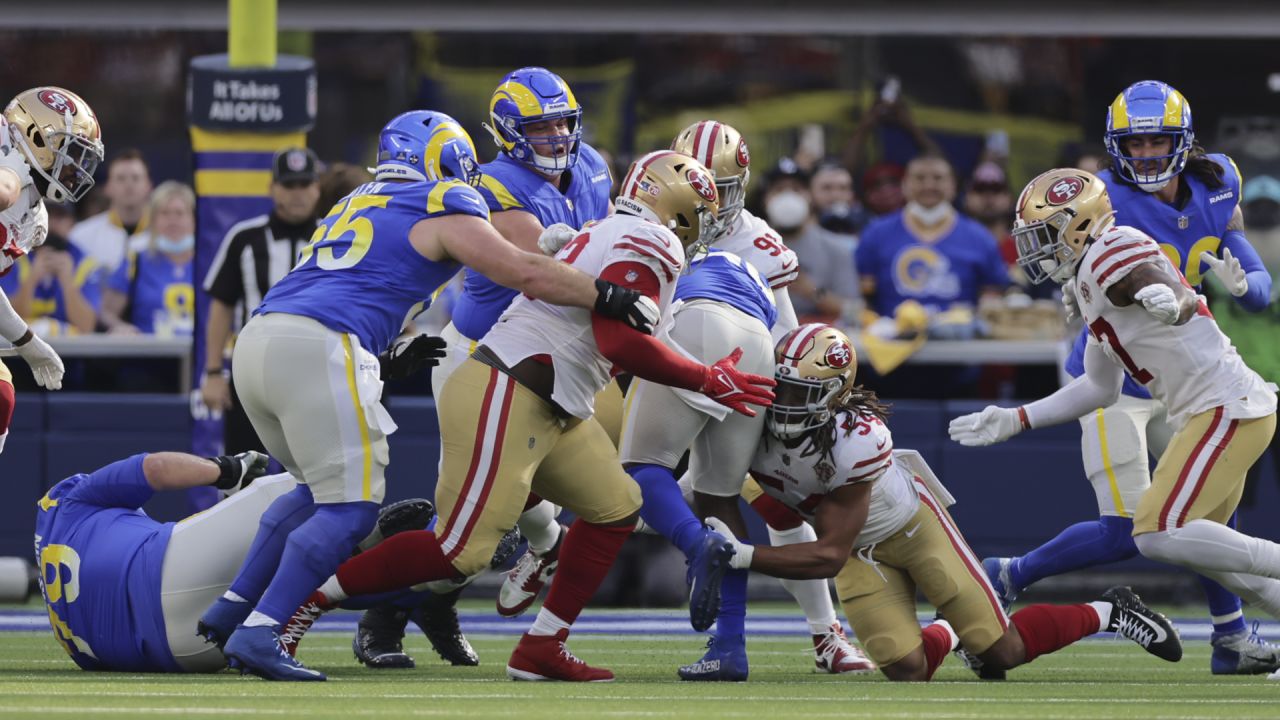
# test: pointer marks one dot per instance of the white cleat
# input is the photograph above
(523, 582)
(833, 653)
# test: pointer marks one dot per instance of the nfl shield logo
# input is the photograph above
(1183, 222)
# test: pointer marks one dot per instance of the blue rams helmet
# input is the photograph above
(1150, 107)
(426, 145)
(533, 95)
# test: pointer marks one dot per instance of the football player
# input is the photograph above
(544, 175)
(309, 376)
(883, 532)
(1144, 318)
(530, 387)
(1163, 183)
(50, 145)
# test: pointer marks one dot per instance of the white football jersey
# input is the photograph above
(18, 224)
(1191, 367)
(863, 452)
(531, 327)
(753, 240)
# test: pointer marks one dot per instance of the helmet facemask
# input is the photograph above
(1042, 254)
(1172, 163)
(75, 161)
(801, 404)
(733, 197)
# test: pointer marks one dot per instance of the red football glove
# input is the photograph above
(734, 389)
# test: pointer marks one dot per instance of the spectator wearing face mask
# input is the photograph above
(928, 252)
(826, 289)
(152, 291)
(838, 209)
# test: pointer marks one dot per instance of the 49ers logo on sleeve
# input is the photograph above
(57, 101)
(744, 157)
(839, 355)
(1064, 191)
(702, 184)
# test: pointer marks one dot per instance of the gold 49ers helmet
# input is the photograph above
(816, 365)
(723, 151)
(675, 191)
(60, 138)
(1059, 214)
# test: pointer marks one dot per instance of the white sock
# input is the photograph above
(539, 526)
(547, 623)
(228, 595)
(332, 590)
(1104, 610)
(257, 619)
(1220, 619)
(813, 596)
(955, 639)
(1204, 545)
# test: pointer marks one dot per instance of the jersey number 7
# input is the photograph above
(1103, 329)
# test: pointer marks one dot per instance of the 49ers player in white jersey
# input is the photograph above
(883, 531)
(50, 144)
(1143, 317)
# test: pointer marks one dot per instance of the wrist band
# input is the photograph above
(1022, 417)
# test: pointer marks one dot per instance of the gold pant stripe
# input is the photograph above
(366, 446)
(1116, 497)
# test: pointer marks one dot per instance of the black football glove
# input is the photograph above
(409, 354)
(620, 303)
(237, 471)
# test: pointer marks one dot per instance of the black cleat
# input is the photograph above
(411, 514)
(377, 643)
(1132, 619)
(438, 618)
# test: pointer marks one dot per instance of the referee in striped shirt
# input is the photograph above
(253, 256)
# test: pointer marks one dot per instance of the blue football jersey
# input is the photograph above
(46, 299)
(511, 185)
(1183, 233)
(952, 269)
(360, 274)
(163, 294)
(100, 559)
(725, 277)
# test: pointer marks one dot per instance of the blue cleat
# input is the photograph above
(221, 619)
(997, 570)
(257, 650)
(725, 661)
(707, 565)
(1243, 653)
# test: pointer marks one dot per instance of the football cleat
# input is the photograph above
(1243, 653)
(833, 653)
(379, 635)
(997, 570)
(979, 668)
(411, 514)
(257, 651)
(707, 565)
(724, 661)
(544, 657)
(437, 616)
(523, 582)
(303, 618)
(221, 619)
(1132, 619)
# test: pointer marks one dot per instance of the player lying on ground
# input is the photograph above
(884, 532)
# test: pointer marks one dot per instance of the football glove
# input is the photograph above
(991, 426)
(1228, 271)
(235, 472)
(555, 237)
(1070, 304)
(742, 551)
(1159, 300)
(631, 307)
(45, 364)
(734, 389)
(409, 354)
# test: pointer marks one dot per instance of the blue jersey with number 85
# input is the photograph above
(360, 274)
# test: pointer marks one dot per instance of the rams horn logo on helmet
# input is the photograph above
(839, 356)
(744, 157)
(57, 102)
(1064, 191)
(701, 184)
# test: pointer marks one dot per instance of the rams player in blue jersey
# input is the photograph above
(1164, 183)
(309, 376)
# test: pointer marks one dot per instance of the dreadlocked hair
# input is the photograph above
(858, 402)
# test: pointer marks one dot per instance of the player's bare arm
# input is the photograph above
(519, 227)
(1237, 220)
(839, 518)
(1133, 288)
(179, 471)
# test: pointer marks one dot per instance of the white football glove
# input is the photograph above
(1159, 300)
(1228, 271)
(742, 552)
(555, 237)
(36, 226)
(45, 364)
(991, 426)
(1069, 302)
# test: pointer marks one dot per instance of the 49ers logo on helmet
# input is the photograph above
(702, 184)
(744, 157)
(839, 355)
(57, 101)
(1064, 191)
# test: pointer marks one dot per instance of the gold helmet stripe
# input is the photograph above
(1174, 105)
(1120, 113)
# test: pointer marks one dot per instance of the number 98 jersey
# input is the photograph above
(360, 274)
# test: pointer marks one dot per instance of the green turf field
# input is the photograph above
(1108, 679)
